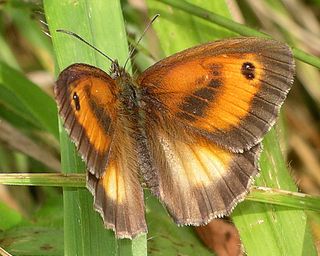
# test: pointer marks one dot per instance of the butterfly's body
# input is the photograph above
(132, 116)
(188, 128)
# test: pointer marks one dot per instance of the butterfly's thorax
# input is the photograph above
(129, 99)
(128, 96)
(127, 89)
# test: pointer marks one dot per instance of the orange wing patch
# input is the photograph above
(96, 109)
(209, 103)
(194, 163)
(223, 113)
(113, 184)
(118, 197)
(87, 105)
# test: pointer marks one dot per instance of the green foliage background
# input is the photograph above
(55, 222)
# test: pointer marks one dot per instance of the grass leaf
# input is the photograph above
(101, 25)
(37, 103)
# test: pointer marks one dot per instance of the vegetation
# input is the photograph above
(57, 217)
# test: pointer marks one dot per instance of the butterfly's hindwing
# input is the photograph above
(197, 179)
(118, 195)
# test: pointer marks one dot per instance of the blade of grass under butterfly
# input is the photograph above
(258, 223)
(102, 25)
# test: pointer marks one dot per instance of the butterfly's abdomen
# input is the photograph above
(133, 116)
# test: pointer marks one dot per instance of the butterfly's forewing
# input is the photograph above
(86, 100)
(229, 91)
(207, 109)
(88, 105)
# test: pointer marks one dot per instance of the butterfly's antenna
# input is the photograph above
(140, 38)
(46, 32)
(84, 41)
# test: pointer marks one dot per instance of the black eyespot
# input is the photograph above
(76, 101)
(248, 70)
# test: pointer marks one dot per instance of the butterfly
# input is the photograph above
(189, 129)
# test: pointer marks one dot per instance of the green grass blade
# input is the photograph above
(258, 222)
(284, 198)
(264, 229)
(36, 102)
(166, 238)
(187, 30)
(6, 55)
(11, 103)
(291, 199)
(73, 180)
(8, 217)
(102, 25)
(32, 240)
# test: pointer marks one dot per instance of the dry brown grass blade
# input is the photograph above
(4, 253)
